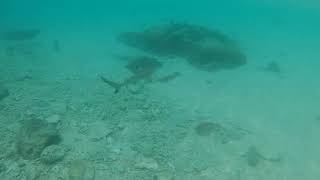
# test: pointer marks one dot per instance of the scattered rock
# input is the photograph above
(81, 170)
(4, 92)
(54, 119)
(52, 154)
(34, 136)
(147, 164)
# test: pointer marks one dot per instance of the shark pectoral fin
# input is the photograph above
(115, 85)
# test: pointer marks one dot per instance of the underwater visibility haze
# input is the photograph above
(159, 90)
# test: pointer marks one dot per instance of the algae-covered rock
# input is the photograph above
(52, 154)
(4, 92)
(34, 136)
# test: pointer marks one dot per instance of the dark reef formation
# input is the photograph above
(34, 136)
(203, 48)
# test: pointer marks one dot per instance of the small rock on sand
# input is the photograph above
(52, 154)
(147, 163)
(54, 119)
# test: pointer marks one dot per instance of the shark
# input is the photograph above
(134, 79)
(143, 69)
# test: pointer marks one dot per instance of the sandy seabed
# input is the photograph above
(243, 124)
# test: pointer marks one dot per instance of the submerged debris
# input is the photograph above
(254, 157)
(203, 48)
(20, 35)
(144, 163)
(273, 67)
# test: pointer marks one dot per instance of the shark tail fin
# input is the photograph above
(115, 85)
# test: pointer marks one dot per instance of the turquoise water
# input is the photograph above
(175, 118)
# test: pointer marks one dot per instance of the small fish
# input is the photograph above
(272, 67)
(56, 46)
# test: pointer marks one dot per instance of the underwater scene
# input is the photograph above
(159, 90)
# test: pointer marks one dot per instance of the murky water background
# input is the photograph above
(172, 120)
